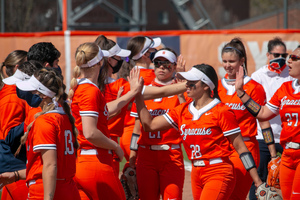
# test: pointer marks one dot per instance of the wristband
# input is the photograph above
(18, 175)
(133, 143)
(15, 176)
(242, 95)
(247, 160)
(252, 107)
(268, 135)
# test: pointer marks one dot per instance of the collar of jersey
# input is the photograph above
(198, 113)
(140, 67)
(59, 110)
(84, 81)
(296, 86)
(109, 80)
(231, 88)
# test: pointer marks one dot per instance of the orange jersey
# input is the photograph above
(51, 131)
(30, 116)
(204, 131)
(286, 102)
(116, 123)
(148, 75)
(89, 101)
(13, 110)
(228, 96)
(158, 107)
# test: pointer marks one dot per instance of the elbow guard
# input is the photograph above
(247, 160)
(268, 135)
(133, 143)
(252, 107)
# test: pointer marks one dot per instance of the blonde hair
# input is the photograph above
(84, 53)
(50, 78)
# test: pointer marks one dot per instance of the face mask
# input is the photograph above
(58, 69)
(152, 54)
(33, 100)
(117, 67)
(277, 65)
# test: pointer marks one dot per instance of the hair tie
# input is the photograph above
(127, 59)
(55, 103)
(235, 50)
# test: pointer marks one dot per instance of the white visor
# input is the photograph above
(117, 51)
(149, 43)
(17, 77)
(96, 59)
(196, 75)
(169, 55)
(33, 84)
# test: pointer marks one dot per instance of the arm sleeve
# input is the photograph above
(89, 103)
(228, 122)
(173, 116)
(274, 103)
(45, 134)
(14, 136)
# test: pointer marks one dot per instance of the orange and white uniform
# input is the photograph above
(13, 112)
(149, 76)
(95, 176)
(203, 134)
(156, 168)
(286, 102)
(248, 126)
(116, 123)
(52, 131)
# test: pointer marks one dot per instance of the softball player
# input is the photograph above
(95, 176)
(284, 102)
(13, 113)
(271, 77)
(233, 56)
(141, 48)
(159, 153)
(110, 87)
(51, 140)
(204, 125)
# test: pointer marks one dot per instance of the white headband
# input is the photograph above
(149, 43)
(116, 50)
(17, 77)
(96, 59)
(33, 84)
(195, 75)
(169, 55)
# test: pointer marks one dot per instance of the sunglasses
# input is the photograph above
(191, 84)
(166, 64)
(277, 55)
(148, 47)
(294, 57)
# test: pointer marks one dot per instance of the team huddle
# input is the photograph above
(240, 133)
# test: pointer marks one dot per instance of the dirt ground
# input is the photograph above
(187, 188)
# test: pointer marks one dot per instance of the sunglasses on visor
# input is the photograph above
(149, 46)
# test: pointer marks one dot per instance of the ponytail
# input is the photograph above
(74, 83)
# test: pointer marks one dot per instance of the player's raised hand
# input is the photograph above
(239, 82)
(180, 67)
(136, 82)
